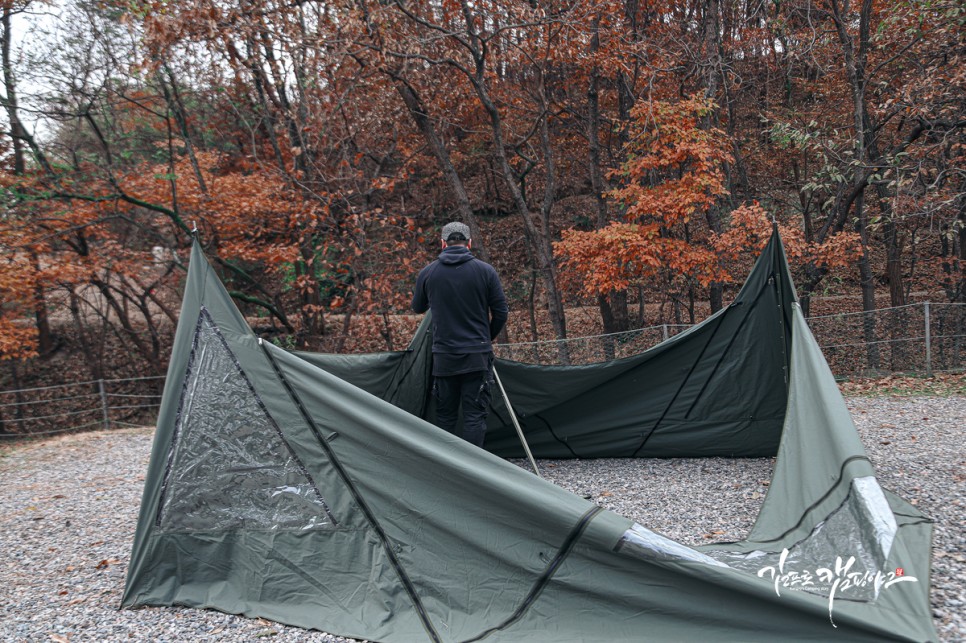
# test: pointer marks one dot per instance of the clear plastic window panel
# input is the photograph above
(229, 466)
(844, 557)
(848, 550)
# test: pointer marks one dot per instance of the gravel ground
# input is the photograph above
(69, 510)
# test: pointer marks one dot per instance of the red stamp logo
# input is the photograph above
(900, 571)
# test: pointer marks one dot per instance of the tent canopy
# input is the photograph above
(719, 389)
(314, 490)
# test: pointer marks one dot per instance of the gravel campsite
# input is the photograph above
(69, 510)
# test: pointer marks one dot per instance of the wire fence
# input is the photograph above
(591, 348)
(919, 338)
(79, 406)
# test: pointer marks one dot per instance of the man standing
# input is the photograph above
(469, 310)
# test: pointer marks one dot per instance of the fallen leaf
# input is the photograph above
(103, 564)
(57, 638)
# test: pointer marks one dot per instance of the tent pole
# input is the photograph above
(516, 424)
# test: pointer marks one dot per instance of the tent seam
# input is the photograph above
(367, 512)
(565, 549)
(815, 504)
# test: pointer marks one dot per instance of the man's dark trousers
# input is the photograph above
(472, 390)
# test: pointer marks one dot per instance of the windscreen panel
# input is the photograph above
(229, 466)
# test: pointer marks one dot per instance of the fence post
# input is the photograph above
(928, 344)
(664, 332)
(104, 410)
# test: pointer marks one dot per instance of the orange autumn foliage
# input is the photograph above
(673, 173)
(18, 334)
(750, 228)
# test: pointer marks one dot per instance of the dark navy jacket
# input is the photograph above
(467, 300)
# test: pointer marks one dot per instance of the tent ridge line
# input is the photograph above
(367, 512)
(565, 548)
(779, 262)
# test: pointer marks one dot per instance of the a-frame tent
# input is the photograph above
(309, 490)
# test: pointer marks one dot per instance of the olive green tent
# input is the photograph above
(311, 490)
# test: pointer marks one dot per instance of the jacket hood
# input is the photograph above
(455, 255)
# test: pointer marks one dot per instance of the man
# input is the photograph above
(469, 310)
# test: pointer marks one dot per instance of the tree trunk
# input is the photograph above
(18, 397)
(612, 306)
(854, 56)
(177, 109)
(867, 281)
(313, 321)
(541, 244)
(19, 136)
(714, 76)
(45, 339)
(420, 114)
(92, 357)
(17, 131)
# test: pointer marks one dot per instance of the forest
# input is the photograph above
(620, 162)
